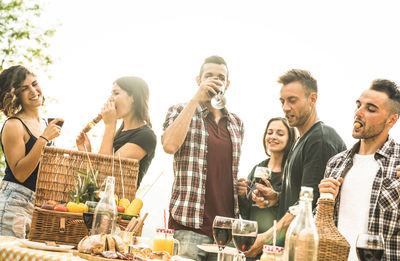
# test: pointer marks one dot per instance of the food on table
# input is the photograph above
(96, 244)
(124, 202)
(113, 247)
(77, 208)
(60, 207)
(49, 205)
(135, 207)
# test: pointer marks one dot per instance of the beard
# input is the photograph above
(302, 117)
(370, 132)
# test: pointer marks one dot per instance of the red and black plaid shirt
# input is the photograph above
(384, 211)
(190, 165)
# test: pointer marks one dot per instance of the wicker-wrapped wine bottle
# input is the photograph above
(333, 246)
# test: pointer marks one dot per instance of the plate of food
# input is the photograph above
(49, 245)
(213, 248)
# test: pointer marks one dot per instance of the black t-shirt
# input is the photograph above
(306, 164)
(145, 138)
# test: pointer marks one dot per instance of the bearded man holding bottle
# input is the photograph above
(364, 180)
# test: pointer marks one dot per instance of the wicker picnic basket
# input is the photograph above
(333, 246)
(56, 177)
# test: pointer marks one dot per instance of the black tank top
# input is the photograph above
(30, 182)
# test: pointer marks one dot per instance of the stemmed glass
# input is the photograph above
(222, 232)
(259, 173)
(369, 247)
(88, 216)
(244, 233)
(218, 101)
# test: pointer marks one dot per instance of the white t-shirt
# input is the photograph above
(355, 198)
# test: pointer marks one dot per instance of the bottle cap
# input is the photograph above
(165, 231)
(273, 249)
(306, 193)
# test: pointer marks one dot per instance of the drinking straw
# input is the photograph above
(274, 234)
(112, 167)
(165, 223)
(90, 164)
(122, 177)
(144, 194)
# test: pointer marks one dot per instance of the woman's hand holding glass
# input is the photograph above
(52, 130)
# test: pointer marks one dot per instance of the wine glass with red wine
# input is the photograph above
(222, 232)
(369, 247)
(244, 233)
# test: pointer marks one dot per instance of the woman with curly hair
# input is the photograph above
(22, 138)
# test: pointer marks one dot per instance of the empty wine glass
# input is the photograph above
(218, 101)
(244, 233)
(259, 173)
(222, 232)
(369, 247)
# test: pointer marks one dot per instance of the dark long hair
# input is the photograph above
(11, 80)
(139, 90)
(291, 139)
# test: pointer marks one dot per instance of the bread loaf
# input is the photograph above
(96, 244)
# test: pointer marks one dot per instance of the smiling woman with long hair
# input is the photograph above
(22, 138)
(278, 139)
(134, 138)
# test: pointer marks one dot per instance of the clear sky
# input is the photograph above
(345, 45)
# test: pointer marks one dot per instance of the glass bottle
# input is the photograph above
(105, 214)
(301, 243)
(333, 246)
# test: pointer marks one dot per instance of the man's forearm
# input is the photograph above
(175, 134)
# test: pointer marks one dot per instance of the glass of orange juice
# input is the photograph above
(164, 241)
